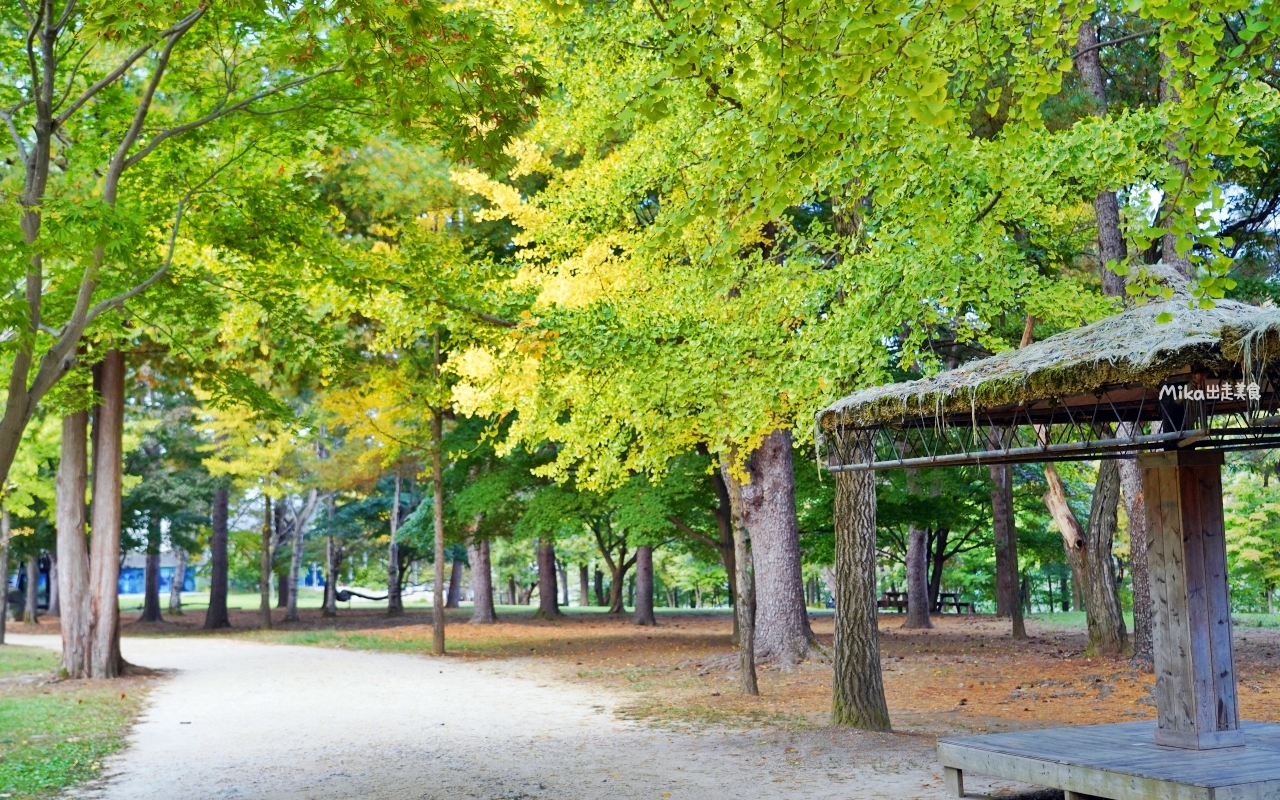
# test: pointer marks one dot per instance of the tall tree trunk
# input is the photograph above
(584, 586)
(563, 582)
(295, 561)
(1006, 539)
(6, 524)
(33, 590)
(73, 547)
(277, 543)
(618, 584)
(548, 605)
(282, 586)
(918, 605)
(437, 515)
(857, 697)
(264, 567)
(724, 527)
(395, 598)
(104, 550)
(216, 615)
(175, 583)
(938, 560)
(1089, 553)
(644, 586)
(54, 609)
(769, 513)
(745, 580)
(151, 582)
(511, 590)
(599, 587)
(332, 563)
(481, 583)
(455, 585)
(1143, 611)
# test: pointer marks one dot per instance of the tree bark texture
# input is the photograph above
(104, 549)
(175, 585)
(1008, 602)
(744, 579)
(300, 524)
(216, 615)
(584, 586)
(395, 598)
(437, 518)
(769, 514)
(563, 583)
(857, 697)
(6, 525)
(73, 546)
(264, 567)
(1139, 568)
(54, 609)
(644, 586)
(918, 605)
(33, 590)
(599, 587)
(1111, 244)
(548, 602)
(151, 584)
(481, 583)
(1089, 553)
(455, 585)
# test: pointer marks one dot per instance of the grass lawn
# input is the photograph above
(55, 733)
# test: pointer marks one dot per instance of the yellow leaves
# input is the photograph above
(600, 269)
(529, 158)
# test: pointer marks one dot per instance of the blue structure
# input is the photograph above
(133, 580)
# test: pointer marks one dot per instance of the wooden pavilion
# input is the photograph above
(1176, 395)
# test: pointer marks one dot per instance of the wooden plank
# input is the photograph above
(1174, 698)
(1218, 600)
(1200, 682)
(954, 780)
(1074, 777)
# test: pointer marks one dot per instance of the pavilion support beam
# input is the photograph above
(1195, 667)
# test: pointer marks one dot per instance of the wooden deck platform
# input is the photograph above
(1120, 762)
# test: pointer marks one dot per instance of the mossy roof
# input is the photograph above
(1128, 348)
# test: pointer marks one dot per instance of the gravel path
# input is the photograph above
(246, 720)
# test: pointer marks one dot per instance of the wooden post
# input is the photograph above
(1195, 668)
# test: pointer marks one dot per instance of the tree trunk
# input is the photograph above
(437, 515)
(769, 514)
(644, 587)
(295, 562)
(73, 547)
(918, 605)
(599, 587)
(104, 551)
(151, 582)
(1006, 541)
(333, 562)
(1089, 553)
(618, 586)
(563, 583)
(481, 583)
(938, 560)
(216, 615)
(54, 609)
(724, 527)
(584, 586)
(264, 567)
(282, 586)
(175, 584)
(857, 697)
(6, 524)
(33, 590)
(511, 590)
(395, 598)
(1143, 612)
(548, 605)
(455, 585)
(1111, 244)
(745, 580)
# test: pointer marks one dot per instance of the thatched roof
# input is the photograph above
(1128, 348)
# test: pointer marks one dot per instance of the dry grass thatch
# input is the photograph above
(1128, 348)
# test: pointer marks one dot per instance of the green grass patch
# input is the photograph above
(56, 734)
(1246, 620)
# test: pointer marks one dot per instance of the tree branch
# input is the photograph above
(1121, 40)
(702, 537)
(222, 112)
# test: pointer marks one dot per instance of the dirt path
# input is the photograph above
(246, 720)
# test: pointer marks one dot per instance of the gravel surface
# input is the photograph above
(240, 719)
